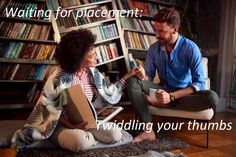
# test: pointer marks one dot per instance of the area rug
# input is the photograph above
(162, 143)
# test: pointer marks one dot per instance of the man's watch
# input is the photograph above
(172, 97)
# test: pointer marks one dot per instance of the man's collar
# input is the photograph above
(163, 47)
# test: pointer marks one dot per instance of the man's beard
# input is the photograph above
(164, 42)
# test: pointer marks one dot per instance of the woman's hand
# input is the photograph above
(140, 72)
(129, 74)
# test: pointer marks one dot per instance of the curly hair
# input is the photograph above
(168, 15)
(72, 49)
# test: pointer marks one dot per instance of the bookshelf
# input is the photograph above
(139, 32)
(27, 46)
(109, 44)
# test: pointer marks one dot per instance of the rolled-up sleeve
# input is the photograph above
(197, 72)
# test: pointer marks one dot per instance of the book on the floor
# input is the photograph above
(78, 109)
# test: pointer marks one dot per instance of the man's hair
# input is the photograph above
(72, 49)
(168, 15)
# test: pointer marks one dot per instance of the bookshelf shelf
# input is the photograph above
(28, 40)
(111, 60)
(25, 20)
(107, 40)
(28, 61)
(137, 31)
(140, 50)
(88, 5)
(65, 30)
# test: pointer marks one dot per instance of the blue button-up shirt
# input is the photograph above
(182, 69)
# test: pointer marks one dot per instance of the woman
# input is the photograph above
(77, 59)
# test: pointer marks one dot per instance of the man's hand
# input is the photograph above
(163, 98)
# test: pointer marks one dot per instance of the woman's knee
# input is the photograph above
(113, 136)
(75, 139)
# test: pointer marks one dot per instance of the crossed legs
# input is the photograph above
(195, 102)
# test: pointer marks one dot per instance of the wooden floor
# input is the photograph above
(222, 143)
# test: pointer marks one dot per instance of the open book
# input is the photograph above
(79, 109)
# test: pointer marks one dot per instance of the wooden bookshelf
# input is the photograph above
(28, 61)
(29, 40)
(87, 5)
(109, 24)
(17, 19)
(115, 59)
(86, 25)
(138, 31)
(23, 73)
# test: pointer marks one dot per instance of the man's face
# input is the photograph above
(164, 33)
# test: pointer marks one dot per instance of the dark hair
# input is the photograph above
(72, 49)
(168, 15)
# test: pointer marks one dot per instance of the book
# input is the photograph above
(132, 62)
(78, 109)
(105, 114)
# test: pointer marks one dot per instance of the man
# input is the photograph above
(178, 63)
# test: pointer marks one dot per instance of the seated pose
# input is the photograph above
(178, 63)
(77, 59)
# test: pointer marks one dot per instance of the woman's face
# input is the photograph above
(90, 58)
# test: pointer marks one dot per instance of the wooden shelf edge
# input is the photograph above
(106, 40)
(87, 5)
(27, 61)
(111, 60)
(138, 31)
(26, 20)
(94, 24)
(134, 49)
(29, 40)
